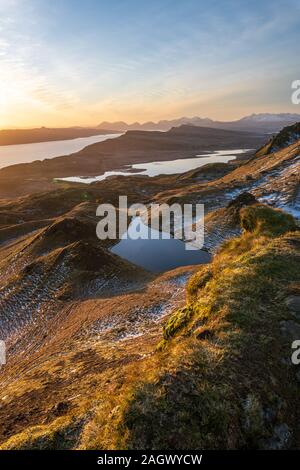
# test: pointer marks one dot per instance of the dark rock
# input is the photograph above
(60, 408)
(269, 415)
(294, 242)
(293, 304)
(280, 439)
(287, 136)
(290, 329)
(20, 417)
(244, 199)
(204, 334)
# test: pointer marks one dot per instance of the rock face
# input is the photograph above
(293, 304)
(244, 199)
(288, 136)
(291, 330)
(280, 439)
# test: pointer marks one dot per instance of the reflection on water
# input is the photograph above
(92, 179)
(156, 254)
(185, 164)
(170, 167)
(26, 153)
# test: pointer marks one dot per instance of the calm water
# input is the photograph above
(186, 164)
(165, 167)
(26, 153)
(156, 255)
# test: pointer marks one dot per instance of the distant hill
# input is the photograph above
(264, 123)
(130, 148)
(44, 134)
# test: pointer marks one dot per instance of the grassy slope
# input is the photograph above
(220, 378)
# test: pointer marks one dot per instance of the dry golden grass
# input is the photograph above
(221, 377)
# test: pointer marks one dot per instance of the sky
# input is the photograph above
(75, 62)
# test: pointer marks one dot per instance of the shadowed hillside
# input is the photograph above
(44, 134)
(115, 154)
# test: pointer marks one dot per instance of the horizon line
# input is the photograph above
(130, 123)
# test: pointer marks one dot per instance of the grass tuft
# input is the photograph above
(263, 220)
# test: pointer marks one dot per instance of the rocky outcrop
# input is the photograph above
(287, 136)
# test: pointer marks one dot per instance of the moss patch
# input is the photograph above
(264, 220)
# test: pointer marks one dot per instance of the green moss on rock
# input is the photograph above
(264, 220)
(177, 322)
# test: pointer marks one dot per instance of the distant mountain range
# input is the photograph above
(263, 123)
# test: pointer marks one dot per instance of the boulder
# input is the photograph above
(291, 330)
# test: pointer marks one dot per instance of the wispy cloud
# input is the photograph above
(75, 62)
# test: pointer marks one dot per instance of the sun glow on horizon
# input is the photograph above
(63, 64)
